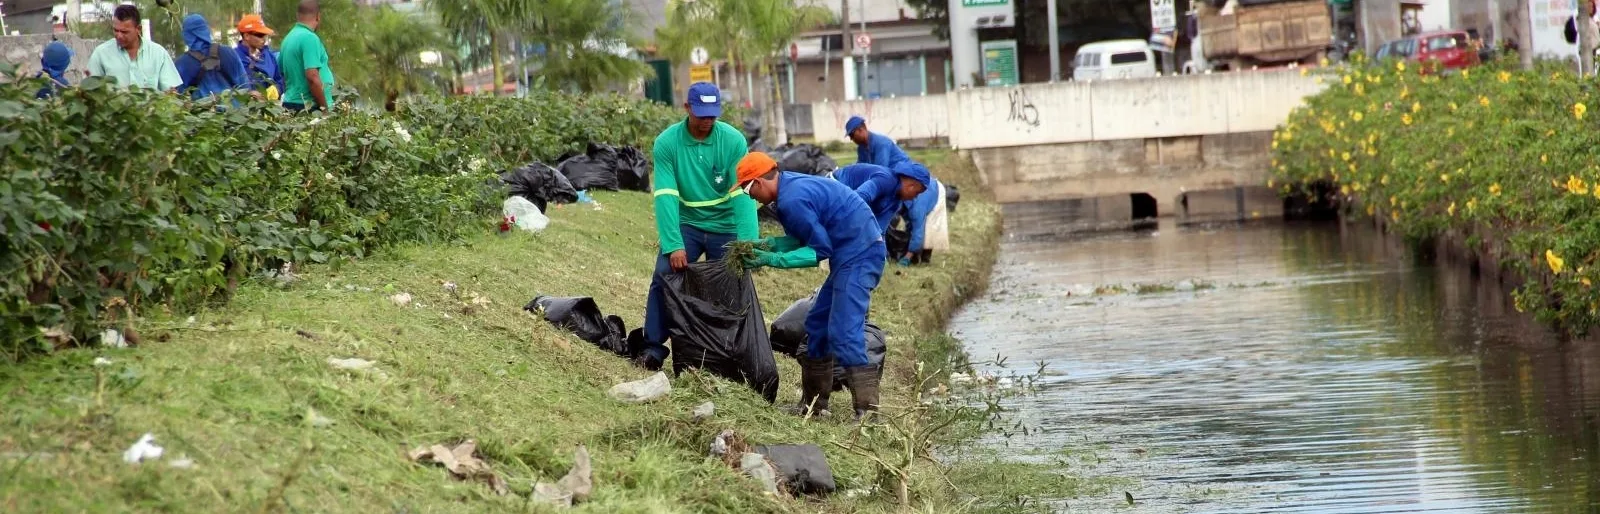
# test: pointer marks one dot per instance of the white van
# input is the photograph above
(1118, 59)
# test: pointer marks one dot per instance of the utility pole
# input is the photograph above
(1055, 42)
(1587, 37)
(864, 51)
(848, 42)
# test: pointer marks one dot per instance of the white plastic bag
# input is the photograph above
(936, 229)
(524, 214)
(641, 391)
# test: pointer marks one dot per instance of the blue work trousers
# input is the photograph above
(837, 323)
(696, 244)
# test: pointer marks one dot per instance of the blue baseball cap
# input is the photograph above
(916, 171)
(705, 100)
(854, 123)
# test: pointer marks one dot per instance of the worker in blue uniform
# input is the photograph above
(824, 220)
(917, 213)
(872, 147)
(884, 189)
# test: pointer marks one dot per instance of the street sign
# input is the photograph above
(699, 56)
(999, 62)
(1163, 15)
(794, 52)
(863, 41)
(700, 73)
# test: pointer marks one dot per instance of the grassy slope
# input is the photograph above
(234, 399)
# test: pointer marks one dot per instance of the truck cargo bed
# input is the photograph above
(1271, 32)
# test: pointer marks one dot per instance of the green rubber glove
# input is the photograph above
(803, 257)
(782, 244)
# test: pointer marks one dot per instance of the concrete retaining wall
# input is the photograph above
(1164, 168)
(1070, 112)
(24, 51)
(905, 118)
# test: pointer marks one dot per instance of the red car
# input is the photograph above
(1445, 49)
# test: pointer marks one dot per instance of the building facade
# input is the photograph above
(903, 56)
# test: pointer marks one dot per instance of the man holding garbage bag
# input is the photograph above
(698, 209)
(824, 220)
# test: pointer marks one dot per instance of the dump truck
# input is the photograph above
(1241, 34)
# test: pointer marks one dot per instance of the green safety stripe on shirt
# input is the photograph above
(707, 203)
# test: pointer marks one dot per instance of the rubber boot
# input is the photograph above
(816, 384)
(863, 382)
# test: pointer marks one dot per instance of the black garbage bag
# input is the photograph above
(636, 342)
(789, 338)
(540, 184)
(788, 334)
(952, 196)
(803, 467)
(633, 169)
(717, 326)
(767, 212)
(583, 317)
(803, 158)
(897, 240)
(586, 172)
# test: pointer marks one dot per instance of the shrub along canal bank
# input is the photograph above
(1491, 162)
(244, 392)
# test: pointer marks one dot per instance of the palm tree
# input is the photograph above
(751, 33)
(486, 26)
(396, 41)
(585, 45)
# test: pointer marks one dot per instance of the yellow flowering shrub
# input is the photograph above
(1501, 155)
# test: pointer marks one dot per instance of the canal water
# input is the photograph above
(1283, 368)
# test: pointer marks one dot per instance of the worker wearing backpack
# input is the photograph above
(207, 68)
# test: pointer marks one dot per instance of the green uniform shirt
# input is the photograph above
(302, 50)
(696, 184)
(152, 70)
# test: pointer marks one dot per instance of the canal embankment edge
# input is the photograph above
(246, 394)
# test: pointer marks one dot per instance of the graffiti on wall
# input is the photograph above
(1022, 108)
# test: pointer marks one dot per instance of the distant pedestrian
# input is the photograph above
(308, 79)
(130, 58)
(53, 66)
(260, 61)
(872, 147)
(207, 68)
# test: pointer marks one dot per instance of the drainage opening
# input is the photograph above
(1144, 206)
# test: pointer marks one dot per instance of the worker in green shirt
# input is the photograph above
(308, 81)
(698, 209)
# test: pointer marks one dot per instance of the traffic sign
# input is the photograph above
(794, 52)
(863, 41)
(699, 56)
(1163, 15)
(700, 73)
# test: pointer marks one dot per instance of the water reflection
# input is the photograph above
(1325, 371)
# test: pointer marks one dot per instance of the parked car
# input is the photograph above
(1116, 59)
(1436, 51)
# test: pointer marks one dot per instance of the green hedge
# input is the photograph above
(115, 200)
(1501, 160)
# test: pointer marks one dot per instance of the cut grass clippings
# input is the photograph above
(246, 391)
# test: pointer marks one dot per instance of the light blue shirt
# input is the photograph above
(152, 70)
